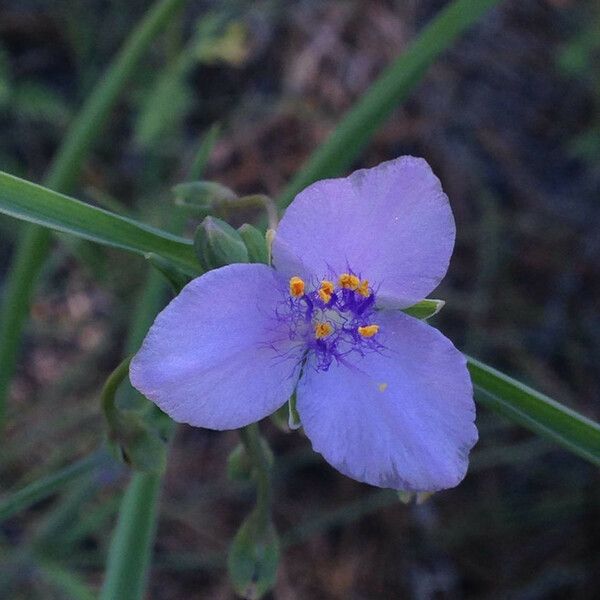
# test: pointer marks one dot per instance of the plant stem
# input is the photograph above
(107, 396)
(131, 547)
(126, 577)
(251, 439)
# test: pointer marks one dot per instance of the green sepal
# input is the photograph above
(176, 278)
(218, 244)
(425, 309)
(256, 244)
(134, 441)
(253, 557)
(287, 417)
(294, 421)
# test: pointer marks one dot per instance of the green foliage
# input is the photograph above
(165, 105)
(48, 485)
(580, 58)
(425, 309)
(135, 436)
(254, 557)
(537, 412)
(176, 278)
(202, 198)
(5, 80)
(131, 546)
(39, 205)
(256, 243)
(34, 243)
(218, 244)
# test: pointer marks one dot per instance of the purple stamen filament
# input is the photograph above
(331, 321)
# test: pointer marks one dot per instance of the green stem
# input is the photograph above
(251, 439)
(107, 396)
(130, 554)
(34, 242)
(131, 547)
(259, 201)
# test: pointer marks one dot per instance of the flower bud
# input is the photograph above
(256, 243)
(218, 244)
(253, 557)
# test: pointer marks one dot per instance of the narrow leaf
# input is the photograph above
(31, 202)
(537, 412)
(46, 486)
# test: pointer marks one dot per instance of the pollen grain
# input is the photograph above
(296, 287)
(326, 290)
(349, 281)
(368, 330)
(322, 330)
(363, 288)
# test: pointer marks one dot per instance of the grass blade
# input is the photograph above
(34, 242)
(391, 88)
(45, 487)
(534, 410)
(36, 204)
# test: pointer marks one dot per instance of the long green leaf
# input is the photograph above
(36, 204)
(534, 410)
(45, 487)
(34, 242)
(391, 88)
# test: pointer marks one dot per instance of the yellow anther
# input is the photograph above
(322, 330)
(348, 281)
(363, 288)
(296, 287)
(382, 387)
(368, 330)
(326, 290)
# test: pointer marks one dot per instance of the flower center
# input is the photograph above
(331, 319)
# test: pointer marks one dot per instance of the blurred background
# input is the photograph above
(509, 119)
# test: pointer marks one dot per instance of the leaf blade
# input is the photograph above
(536, 411)
(36, 204)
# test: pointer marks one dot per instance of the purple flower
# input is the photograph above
(384, 397)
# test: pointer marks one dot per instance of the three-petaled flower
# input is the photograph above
(384, 397)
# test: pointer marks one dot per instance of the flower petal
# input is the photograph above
(391, 224)
(401, 419)
(214, 357)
